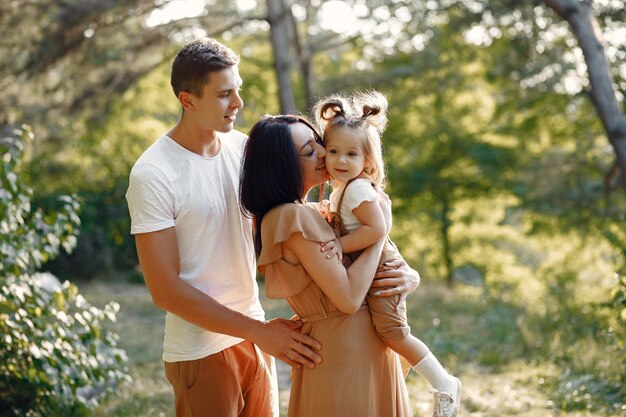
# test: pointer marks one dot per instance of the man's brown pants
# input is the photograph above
(235, 382)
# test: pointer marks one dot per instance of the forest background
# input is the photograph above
(506, 157)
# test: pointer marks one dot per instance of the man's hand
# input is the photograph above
(400, 278)
(332, 248)
(385, 204)
(280, 338)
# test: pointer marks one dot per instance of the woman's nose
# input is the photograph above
(321, 151)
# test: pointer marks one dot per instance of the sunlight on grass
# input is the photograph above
(475, 337)
(140, 328)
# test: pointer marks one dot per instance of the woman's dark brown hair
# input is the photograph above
(271, 173)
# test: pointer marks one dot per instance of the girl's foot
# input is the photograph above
(447, 403)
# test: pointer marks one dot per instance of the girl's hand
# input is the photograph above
(401, 279)
(333, 248)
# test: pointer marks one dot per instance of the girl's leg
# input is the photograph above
(423, 362)
(447, 388)
(410, 348)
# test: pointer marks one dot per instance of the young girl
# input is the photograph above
(352, 136)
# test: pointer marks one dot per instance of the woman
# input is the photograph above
(358, 375)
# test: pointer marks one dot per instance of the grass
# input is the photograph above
(139, 326)
(479, 340)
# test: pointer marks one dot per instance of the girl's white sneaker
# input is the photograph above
(447, 405)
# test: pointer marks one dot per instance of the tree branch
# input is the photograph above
(584, 25)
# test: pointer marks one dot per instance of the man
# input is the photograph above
(197, 254)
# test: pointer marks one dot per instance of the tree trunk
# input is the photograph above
(445, 238)
(280, 24)
(579, 15)
(304, 59)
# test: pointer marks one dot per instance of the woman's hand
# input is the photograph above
(333, 248)
(400, 278)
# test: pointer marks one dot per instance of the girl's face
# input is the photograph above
(345, 158)
(311, 154)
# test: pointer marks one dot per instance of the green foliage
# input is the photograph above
(104, 238)
(55, 357)
(617, 307)
(588, 342)
(440, 140)
(29, 237)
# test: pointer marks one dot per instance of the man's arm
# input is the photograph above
(400, 277)
(160, 264)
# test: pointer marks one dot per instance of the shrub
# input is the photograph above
(56, 359)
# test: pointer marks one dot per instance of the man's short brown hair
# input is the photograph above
(195, 62)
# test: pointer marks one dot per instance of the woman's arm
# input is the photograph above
(346, 288)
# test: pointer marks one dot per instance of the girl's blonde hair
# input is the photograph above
(365, 112)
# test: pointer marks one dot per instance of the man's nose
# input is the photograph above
(237, 101)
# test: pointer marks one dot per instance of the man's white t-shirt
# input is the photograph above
(171, 186)
(358, 191)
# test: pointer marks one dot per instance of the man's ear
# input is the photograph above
(187, 100)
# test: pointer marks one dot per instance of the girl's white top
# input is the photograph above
(358, 191)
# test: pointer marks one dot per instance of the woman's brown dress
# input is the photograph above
(359, 375)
